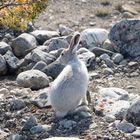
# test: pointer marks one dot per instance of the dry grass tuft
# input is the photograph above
(104, 2)
(118, 6)
(102, 12)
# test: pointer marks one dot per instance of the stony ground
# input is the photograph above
(78, 15)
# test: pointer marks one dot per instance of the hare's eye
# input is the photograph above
(62, 54)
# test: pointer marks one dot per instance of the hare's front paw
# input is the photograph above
(60, 114)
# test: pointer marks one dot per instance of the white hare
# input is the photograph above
(70, 87)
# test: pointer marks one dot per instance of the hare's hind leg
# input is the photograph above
(85, 101)
(83, 108)
(61, 114)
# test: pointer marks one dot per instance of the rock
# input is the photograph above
(3, 67)
(17, 104)
(23, 44)
(56, 53)
(108, 71)
(43, 35)
(41, 48)
(26, 67)
(123, 62)
(94, 75)
(134, 74)
(104, 56)
(117, 58)
(133, 64)
(91, 38)
(112, 101)
(136, 134)
(17, 137)
(39, 65)
(68, 124)
(86, 56)
(62, 138)
(39, 129)
(125, 36)
(125, 127)
(127, 15)
(99, 51)
(12, 61)
(4, 47)
(30, 123)
(33, 79)
(128, 8)
(56, 43)
(133, 113)
(109, 62)
(42, 99)
(84, 114)
(4, 91)
(3, 135)
(113, 92)
(42, 56)
(109, 118)
(107, 45)
(53, 69)
(64, 31)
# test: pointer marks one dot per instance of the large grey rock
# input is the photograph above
(125, 36)
(86, 56)
(37, 56)
(34, 79)
(133, 113)
(126, 127)
(43, 35)
(56, 43)
(99, 51)
(31, 122)
(3, 67)
(4, 47)
(93, 37)
(23, 44)
(12, 61)
(53, 69)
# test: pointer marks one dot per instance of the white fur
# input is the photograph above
(70, 87)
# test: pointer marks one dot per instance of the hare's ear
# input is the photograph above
(74, 42)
